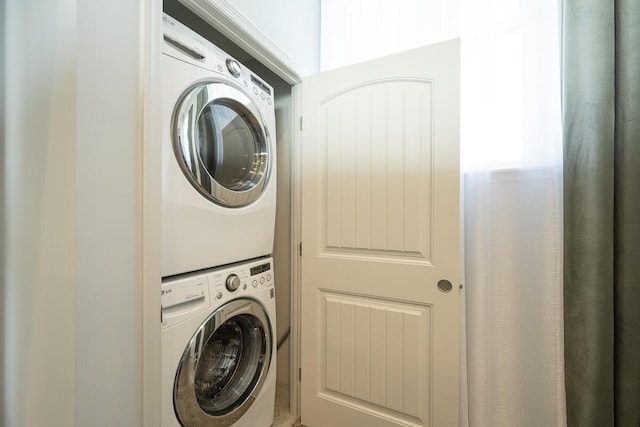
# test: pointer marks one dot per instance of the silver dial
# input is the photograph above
(233, 282)
(233, 67)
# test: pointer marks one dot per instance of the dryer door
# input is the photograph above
(224, 366)
(221, 143)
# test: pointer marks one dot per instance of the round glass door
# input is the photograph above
(224, 366)
(221, 144)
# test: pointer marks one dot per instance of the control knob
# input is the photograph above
(233, 282)
(233, 67)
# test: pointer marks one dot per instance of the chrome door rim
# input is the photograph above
(186, 115)
(186, 405)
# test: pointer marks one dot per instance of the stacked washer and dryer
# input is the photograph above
(218, 217)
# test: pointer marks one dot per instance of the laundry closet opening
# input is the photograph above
(282, 242)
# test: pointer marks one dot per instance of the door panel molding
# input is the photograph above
(376, 173)
(376, 355)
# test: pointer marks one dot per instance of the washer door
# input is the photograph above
(221, 144)
(224, 366)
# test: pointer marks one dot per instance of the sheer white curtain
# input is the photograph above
(511, 158)
(511, 148)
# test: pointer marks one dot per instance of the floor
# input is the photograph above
(282, 417)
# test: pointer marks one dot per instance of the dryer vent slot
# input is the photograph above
(184, 48)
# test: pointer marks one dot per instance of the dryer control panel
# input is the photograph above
(184, 44)
(260, 91)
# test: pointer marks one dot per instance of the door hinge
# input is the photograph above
(300, 123)
(300, 374)
(300, 248)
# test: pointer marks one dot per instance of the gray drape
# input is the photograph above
(601, 117)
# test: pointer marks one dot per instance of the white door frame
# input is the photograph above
(151, 35)
(226, 19)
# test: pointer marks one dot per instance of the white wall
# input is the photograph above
(109, 220)
(71, 209)
(292, 25)
(39, 206)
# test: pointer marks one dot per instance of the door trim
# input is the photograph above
(149, 211)
(296, 252)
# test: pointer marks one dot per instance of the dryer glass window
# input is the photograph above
(221, 144)
(230, 365)
(229, 146)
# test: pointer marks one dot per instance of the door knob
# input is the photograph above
(444, 285)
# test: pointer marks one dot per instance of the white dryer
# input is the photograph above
(218, 349)
(218, 156)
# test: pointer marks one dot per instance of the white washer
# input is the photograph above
(218, 156)
(218, 347)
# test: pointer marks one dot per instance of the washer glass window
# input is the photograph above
(221, 144)
(225, 365)
(230, 365)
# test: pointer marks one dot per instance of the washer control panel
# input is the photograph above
(187, 295)
(241, 279)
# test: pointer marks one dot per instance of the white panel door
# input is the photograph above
(380, 230)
